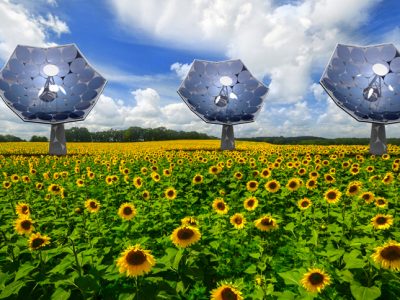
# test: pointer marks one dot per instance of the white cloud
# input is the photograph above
(18, 26)
(317, 91)
(180, 69)
(54, 24)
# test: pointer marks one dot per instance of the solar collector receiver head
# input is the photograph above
(365, 83)
(53, 85)
(224, 93)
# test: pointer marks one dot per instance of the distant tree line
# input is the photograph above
(312, 140)
(132, 134)
(10, 138)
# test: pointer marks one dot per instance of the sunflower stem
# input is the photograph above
(78, 266)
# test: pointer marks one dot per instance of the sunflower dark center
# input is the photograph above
(93, 204)
(391, 253)
(228, 294)
(55, 188)
(331, 195)
(24, 209)
(304, 204)
(311, 183)
(138, 182)
(251, 202)
(381, 202)
(292, 184)
(272, 185)
(135, 258)
(127, 210)
(185, 234)
(265, 173)
(145, 194)
(214, 170)
(26, 224)
(252, 184)
(355, 170)
(267, 222)
(353, 189)
(197, 179)
(366, 196)
(238, 220)
(381, 220)
(316, 278)
(37, 242)
(7, 184)
(170, 193)
(329, 178)
(221, 205)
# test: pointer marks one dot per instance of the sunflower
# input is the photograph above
(191, 221)
(137, 182)
(370, 169)
(238, 221)
(388, 255)
(37, 241)
(353, 188)
(272, 186)
(354, 170)
(155, 176)
(238, 175)
(185, 235)
(6, 184)
(388, 179)
(167, 172)
(385, 156)
(109, 180)
(22, 209)
(226, 291)
(143, 170)
(26, 179)
(170, 193)
(329, 178)
(220, 206)
(332, 196)
(24, 225)
(301, 171)
(368, 197)
(315, 280)
(197, 179)
(304, 203)
(135, 261)
(92, 205)
(214, 170)
(250, 203)
(313, 174)
(311, 184)
(80, 182)
(265, 173)
(266, 223)
(146, 195)
(90, 175)
(381, 202)
(381, 221)
(54, 189)
(127, 211)
(39, 185)
(252, 186)
(14, 178)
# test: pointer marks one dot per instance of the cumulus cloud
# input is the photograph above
(18, 26)
(181, 70)
(54, 24)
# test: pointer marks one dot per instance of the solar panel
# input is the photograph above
(53, 85)
(50, 85)
(224, 93)
(365, 83)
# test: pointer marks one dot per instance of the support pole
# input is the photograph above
(57, 145)
(227, 138)
(377, 144)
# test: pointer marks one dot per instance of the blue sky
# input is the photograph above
(144, 49)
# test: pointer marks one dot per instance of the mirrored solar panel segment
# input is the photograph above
(222, 92)
(50, 85)
(365, 82)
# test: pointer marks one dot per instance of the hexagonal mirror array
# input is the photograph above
(50, 85)
(222, 92)
(365, 82)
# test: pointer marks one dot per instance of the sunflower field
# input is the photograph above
(183, 220)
